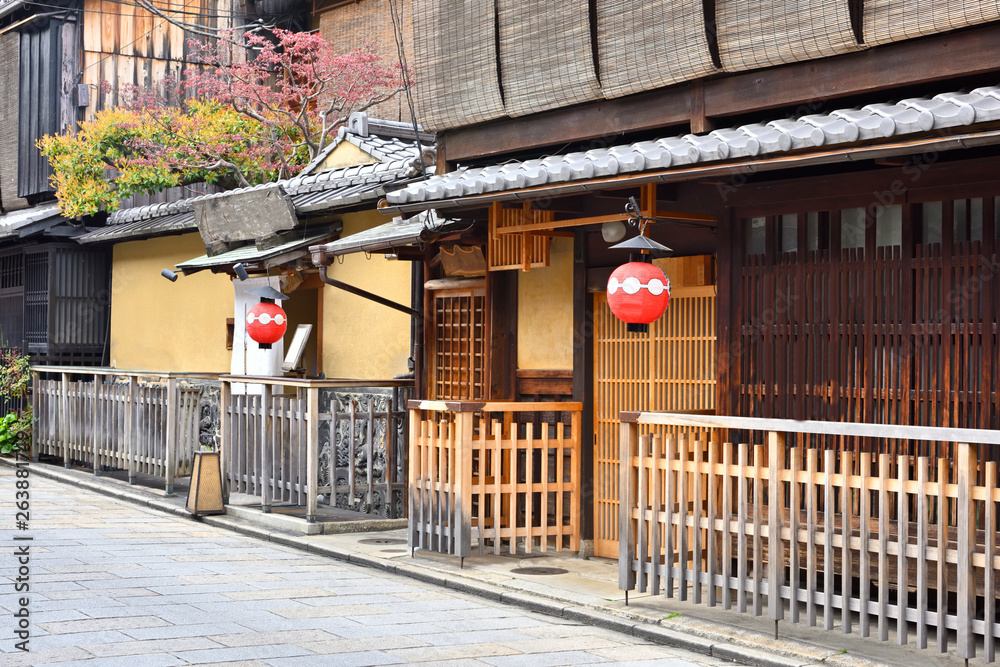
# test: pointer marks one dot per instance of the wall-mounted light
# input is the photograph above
(613, 231)
(241, 271)
(169, 275)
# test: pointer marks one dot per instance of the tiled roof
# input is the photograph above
(382, 147)
(13, 222)
(845, 126)
(328, 182)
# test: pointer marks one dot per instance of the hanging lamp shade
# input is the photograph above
(638, 293)
(266, 323)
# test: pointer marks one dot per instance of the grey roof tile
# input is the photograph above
(843, 126)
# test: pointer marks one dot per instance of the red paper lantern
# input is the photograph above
(266, 323)
(638, 293)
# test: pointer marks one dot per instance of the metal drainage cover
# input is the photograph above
(394, 551)
(382, 541)
(538, 571)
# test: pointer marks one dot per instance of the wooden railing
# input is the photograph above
(503, 472)
(271, 441)
(894, 544)
(142, 422)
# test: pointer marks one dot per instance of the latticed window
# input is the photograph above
(458, 354)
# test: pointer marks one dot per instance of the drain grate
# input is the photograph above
(382, 541)
(538, 571)
(394, 551)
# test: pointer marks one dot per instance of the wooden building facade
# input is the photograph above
(829, 191)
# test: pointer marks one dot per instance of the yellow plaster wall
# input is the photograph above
(158, 325)
(345, 155)
(362, 339)
(545, 312)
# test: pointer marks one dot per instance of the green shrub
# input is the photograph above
(15, 381)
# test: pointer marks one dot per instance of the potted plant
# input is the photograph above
(15, 383)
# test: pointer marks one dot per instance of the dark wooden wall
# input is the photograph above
(877, 306)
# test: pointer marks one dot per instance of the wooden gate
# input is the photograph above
(672, 368)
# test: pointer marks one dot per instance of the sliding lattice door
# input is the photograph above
(670, 368)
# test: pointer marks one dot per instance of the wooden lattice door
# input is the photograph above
(670, 368)
(458, 344)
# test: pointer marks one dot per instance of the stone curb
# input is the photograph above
(746, 650)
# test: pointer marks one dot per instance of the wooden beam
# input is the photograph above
(907, 63)
(543, 227)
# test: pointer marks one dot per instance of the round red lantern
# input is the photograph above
(638, 293)
(266, 323)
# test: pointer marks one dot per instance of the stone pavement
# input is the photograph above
(116, 584)
(586, 593)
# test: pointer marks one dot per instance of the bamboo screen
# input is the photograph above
(888, 21)
(672, 368)
(545, 54)
(647, 44)
(458, 354)
(455, 63)
(517, 251)
(765, 33)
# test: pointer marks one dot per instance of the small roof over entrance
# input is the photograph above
(289, 251)
(421, 228)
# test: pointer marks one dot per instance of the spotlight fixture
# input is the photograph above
(240, 271)
(169, 275)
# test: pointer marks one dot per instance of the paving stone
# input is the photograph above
(478, 637)
(150, 646)
(545, 659)
(171, 631)
(267, 653)
(148, 660)
(99, 624)
(278, 594)
(337, 646)
(343, 660)
(301, 638)
(437, 654)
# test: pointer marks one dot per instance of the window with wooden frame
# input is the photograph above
(457, 341)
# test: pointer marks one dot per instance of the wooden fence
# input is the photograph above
(271, 440)
(504, 471)
(142, 422)
(894, 544)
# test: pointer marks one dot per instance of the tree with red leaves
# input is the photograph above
(237, 119)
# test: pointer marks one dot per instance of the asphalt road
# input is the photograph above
(110, 583)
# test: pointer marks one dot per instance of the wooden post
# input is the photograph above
(173, 398)
(412, 492)
(225, 429)
(94, 439)
(267, 452)
(64, 425)
(966, 505)
(629, 439)
(775, 550)
(36, 388)
(462, 473)
(130, 434)
(312, 452)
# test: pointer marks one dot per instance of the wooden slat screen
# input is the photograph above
(764, 33)
(518, 250)
(647, 44)
(887, 21)
(458, 356)
(897, 330)
(671, 368)
(455, 81)
(545, 54)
